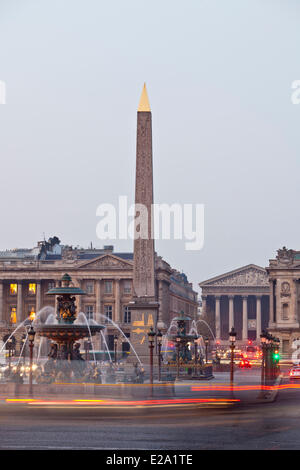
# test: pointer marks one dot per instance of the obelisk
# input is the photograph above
(144, 305)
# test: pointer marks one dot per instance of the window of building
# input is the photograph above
(285, 311)
(108, 287)
(127, 287)
(127, 315)
(51, 285)
(89, 287)
(31, 313)
(32, 289)
(13, 315)
(108, 312)
(13, 289)
(125, 345)
(89, 310)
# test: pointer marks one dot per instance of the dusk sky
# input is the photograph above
(225, 132)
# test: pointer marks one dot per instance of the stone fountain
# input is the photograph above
(65, 357)
(195, 369)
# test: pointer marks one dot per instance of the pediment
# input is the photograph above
(107, 262)
(247, 276)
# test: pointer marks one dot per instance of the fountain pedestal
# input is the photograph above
(64, 356)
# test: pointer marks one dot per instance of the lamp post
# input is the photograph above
(277, 366)
(232, 338)
(159, 343)
(263, 359)
(115, 348)
(151, 336)
(206, 341)
(268, 356)
(178, 340)
(31, 335)
(195, 353)
(272, 347)
(9, 344)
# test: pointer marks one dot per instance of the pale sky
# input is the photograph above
(225, 132)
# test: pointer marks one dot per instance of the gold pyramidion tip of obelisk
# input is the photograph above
(144, 101)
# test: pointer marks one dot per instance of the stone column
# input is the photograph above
(218, 317)
(258, 317)
(1, 303)
(57, 284)
(245, 318)
(204, 298)
(19, 303)
(295, 300)
(117, 301)
(38, 298)
(79, 297)
(98, 298)
(271, 302)
(160, 300)
(231, 314)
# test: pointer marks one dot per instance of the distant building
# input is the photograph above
(284, 277)
(239, 298)
(26, 275)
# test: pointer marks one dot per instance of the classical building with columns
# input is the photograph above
(26, 275)
(284, 275)
(239, 298)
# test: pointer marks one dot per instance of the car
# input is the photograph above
(252, 352)
(237, 354)
(295, 372)
(244, 364)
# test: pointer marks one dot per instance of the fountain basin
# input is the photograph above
(62, 333)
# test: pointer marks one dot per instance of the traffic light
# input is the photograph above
(276, 355)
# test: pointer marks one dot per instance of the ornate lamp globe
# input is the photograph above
(232, 335)
(151, 335)
(263, 337)
(159, 337)
(31, 334)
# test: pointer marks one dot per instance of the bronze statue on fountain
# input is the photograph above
(64, 359)
(182, 357)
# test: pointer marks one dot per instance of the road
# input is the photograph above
(247, 426)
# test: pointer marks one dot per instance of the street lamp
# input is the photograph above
(206, 341)
(195, 353)
(267, 360)
(31, 335)
(159, 343)
(263, 338)
(178, 340)
(277, 356)
(151, 336)
(10, 346)
(115, 348)
(232, 338)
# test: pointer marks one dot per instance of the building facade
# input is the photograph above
(239, 299)
(27, 275)
(284, 276)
